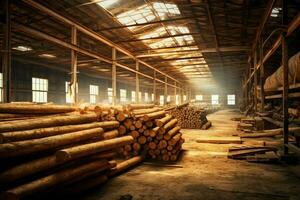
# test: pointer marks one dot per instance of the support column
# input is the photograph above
(154, 86)
(114, 77)
(285, 92)
(6, 59)
(166, 91)
(73, 83)
(137, 83)
(262, 78)
(175, 92)
(255, 80)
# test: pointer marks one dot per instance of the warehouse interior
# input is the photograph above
(149, 99)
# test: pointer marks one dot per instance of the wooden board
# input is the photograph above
(220, 140)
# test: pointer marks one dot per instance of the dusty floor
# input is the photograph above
(206, 174)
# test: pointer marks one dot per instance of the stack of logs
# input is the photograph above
(191, 117)
(51, 147)
(154, 132)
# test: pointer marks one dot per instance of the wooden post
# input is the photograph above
(154, 86)
(73, 83)
(175, 93)
(285, 79)
(114, 77)
(262, 78)
(166, 91)
(137, 83)
(255, 80)
(6, 56)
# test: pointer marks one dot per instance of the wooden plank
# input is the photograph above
(241, 153)
(220, 140)
(275, 122)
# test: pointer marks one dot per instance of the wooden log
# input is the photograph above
(142, 139)
(135, 134)
(88, 149)
(122, 130)
(154, 115)
(110, 134)
(121, 116)
(8, 150)
(34, 109)
(55, 179)
(172, 132)
(159, 137)
(175, 139)
(152, 133)
(171, 124)
(157, 152)
(152, 145)
(163, 121)
(46, 132)
(206, 126)
(38, 165)
(127, 123)
(138, 124)
(145, 111)
(127, 147)
(136, 146)
(139, 106)
(126, 164)
(149, 124)
(146, 132)
(220, 140)
(165, 157)
(47, 122)
(132, 127)
(161, 130)
(162, 144)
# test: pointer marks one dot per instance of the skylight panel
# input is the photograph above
(22, 48)
(165, 9)
(106, 4)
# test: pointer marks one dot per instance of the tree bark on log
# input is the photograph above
(47, 122)
(88, 149)
(8, 150)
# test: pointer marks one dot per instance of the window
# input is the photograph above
(68, 93)
(1, 87)
(39, 90)
(109, 94)
(123, 95)
(133, 96)
(177, 99)
(94, 91)
(106, 4)
(152, 97)
(231, 99)
(199, 97)
(184, 97)
(146, 97)
(214, 99)
(161, 99)
(168, 98)
(140, 96)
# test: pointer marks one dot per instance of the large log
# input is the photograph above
(164, 120)
(154, 115)
(145, 111)
(171, 132)
(126, 164)
(55, 179)
(170, 124)
(34, 109)
(36, 145)
(88, 149)
(39, 165)
(46, 132)
(175, 139)
(47, 122)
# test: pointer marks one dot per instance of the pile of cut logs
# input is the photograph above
(52, 147)
(154, 132)
(191, 117)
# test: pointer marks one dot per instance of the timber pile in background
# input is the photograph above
(52, 147)
(191, 116)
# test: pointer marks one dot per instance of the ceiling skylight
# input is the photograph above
(145, 13)
(107, 4)
(22, 48)
(275, 12)
(46, 55)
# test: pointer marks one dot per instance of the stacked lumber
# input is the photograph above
(154, 131)
(250, 124)
(60, 149)
(191, 117)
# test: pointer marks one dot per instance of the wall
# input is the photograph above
(22, 74)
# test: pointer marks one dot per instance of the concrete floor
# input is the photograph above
(206, 174)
